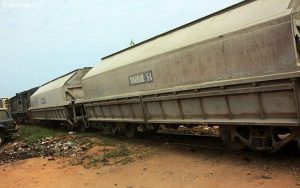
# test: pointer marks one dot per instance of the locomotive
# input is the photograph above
(238, 69)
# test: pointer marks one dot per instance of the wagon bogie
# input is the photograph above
(261, 138)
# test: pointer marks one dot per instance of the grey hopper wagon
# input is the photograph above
(237, 68)
(54, 101)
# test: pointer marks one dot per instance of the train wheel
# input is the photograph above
(118, 129)
(231, 142)
(130, 131)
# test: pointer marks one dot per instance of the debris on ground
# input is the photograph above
(48, 147)
(87, 149)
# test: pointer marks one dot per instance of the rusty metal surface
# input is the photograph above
(20, 103)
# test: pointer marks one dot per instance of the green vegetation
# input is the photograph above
(121, 151)
(99, 139)
(31, 133)
(119, 155)
(109, 141)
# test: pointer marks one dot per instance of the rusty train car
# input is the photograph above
(238, 68)
(19, 105)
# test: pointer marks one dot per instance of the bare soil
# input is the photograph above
(58, 159)
(169, 168)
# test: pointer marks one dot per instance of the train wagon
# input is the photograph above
(19, 105)
(54, 101)
(237, 68)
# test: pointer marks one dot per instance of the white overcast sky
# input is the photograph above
(43, 39)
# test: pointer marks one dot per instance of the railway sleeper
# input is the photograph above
(259, 138)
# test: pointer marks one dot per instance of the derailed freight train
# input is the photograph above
(237, 68)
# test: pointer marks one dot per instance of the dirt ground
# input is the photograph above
(40, 157)
(170, 168)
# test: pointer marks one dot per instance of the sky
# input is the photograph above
(44, 39)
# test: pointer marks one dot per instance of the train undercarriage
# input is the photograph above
(256, 138)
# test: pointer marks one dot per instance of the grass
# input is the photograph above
(121, 151)
(31, 133)
(119, 155)
(100, 138)
(108, 141)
